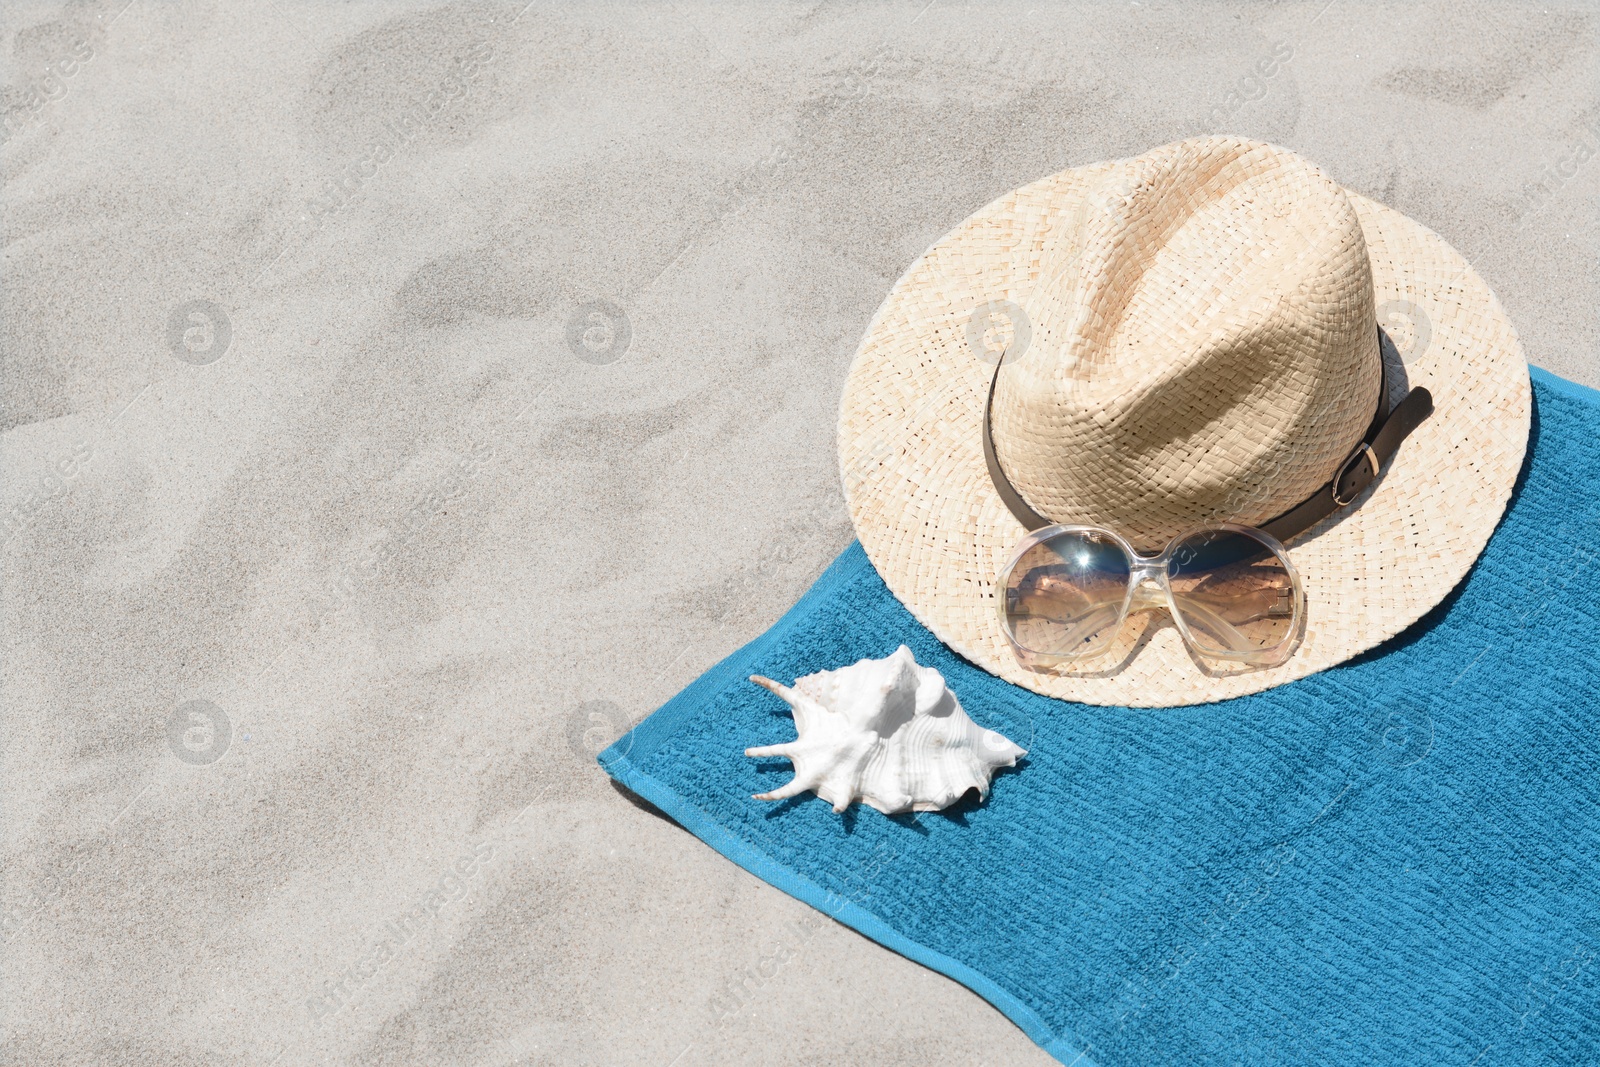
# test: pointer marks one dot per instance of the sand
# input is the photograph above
(400, 401)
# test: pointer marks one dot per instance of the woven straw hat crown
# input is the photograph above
(1203, 345)
(1195, 339)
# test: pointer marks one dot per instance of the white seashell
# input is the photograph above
(887, 732)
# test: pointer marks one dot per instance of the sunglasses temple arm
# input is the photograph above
(1219, 626)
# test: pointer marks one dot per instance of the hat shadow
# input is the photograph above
(1435, 615)
(1398, 383)
(1394, 368)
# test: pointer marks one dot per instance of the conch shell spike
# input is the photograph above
(884, 731)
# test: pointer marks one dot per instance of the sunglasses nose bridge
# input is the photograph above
(1149, 589)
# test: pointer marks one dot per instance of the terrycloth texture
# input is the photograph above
(1393, 861)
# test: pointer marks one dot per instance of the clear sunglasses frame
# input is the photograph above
(1149, 588)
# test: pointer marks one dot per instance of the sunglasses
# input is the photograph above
(1230, 589)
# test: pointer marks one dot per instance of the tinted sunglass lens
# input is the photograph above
(1235, 593)
(1064, 595)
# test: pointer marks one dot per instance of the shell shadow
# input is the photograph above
(958, 812)
(907, 819)
(964, 806)
(788, 804)
(971, 801)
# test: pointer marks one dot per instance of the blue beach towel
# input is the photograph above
(1394, 861)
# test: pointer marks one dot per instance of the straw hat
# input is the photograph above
(1189, 336)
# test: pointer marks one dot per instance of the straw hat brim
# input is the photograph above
(911, 455)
